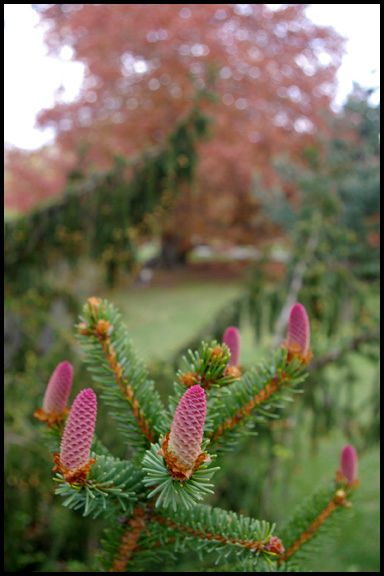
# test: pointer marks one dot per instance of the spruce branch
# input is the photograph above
(122, 377)
(111, 485)
(129, 540)
(263, 390)
(260, 392)
(309, 520)
(227, 534)
(153, 503)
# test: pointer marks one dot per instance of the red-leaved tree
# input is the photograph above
(273, 72)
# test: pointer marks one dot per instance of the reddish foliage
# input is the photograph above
(271, 82)
(31, 177)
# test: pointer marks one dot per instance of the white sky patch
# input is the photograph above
(360, 25)
(31, 77)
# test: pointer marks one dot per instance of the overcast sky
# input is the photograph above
(31, 77)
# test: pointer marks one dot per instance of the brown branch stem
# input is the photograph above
(101, 331)
(129, 541)
(249, 544)
(339, 499)
(262, 396)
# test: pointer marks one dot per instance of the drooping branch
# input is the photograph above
(101, 215)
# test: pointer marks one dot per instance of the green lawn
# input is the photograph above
(161, 318)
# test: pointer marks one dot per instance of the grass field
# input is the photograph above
(161, 318)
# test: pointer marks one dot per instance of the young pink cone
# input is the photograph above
(348, 463)
(231, 338)
(298, 339)
(78, 432)
(187, 427)
(58, 389)
(275, 546)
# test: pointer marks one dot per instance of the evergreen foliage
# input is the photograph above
(171, 493)
(151, 503)
(100, 216)
(110, 486)
(124, 379)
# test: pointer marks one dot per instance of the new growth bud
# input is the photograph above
(76, 442)
(56, 395)
(298, 339)
(231, 338)
(182, 447)
(348, 463)
(275, 546)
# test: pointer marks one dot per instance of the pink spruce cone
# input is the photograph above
(298, 339)
(232, 339)
(188, 427)
(348, 463)
(79, 429)
(58, 389)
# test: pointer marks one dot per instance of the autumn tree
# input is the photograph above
(273, 72)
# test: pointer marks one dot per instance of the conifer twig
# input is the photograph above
(346, 482)
(337, 501)
(309, 532)
(129, 540)
(102, 330)
(262, 396)
(255, 545)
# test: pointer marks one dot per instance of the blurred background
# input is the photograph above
(200, 165)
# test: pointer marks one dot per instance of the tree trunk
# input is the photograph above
(174, 251)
